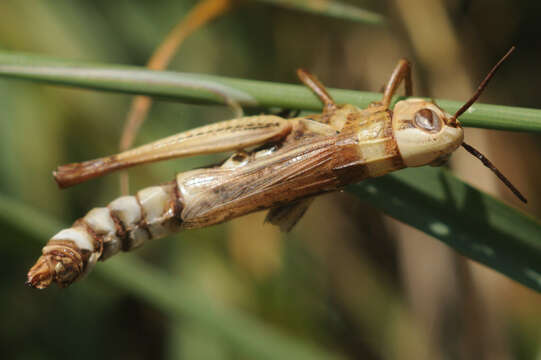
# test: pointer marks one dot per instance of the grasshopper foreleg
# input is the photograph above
(402, 72)
(317, 87)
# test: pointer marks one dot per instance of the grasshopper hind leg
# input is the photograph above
(225, 136)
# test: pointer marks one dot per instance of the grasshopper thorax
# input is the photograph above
(424, 133)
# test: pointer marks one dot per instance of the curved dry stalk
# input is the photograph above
(201, 14)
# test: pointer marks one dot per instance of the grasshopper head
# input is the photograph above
(427, 135)
(424, 133)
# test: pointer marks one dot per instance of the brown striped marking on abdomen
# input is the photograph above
(126, 223)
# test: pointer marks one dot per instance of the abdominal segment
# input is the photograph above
(126, 223)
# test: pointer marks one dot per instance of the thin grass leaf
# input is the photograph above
(332, 9)
(170, 295)
(200, 88)
(470, 221)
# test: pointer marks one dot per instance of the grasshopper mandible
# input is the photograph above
(296, 160)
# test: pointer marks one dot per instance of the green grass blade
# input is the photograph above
(332, 9)
(170, 295)
(199, 88)
(472, 222)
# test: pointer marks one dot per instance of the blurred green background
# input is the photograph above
(348, 282)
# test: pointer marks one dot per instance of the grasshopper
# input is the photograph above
(294, 160)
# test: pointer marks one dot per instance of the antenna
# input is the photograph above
(470, 148)
(491, 166)
(483, 84)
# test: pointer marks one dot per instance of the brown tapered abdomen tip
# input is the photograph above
(40, 275)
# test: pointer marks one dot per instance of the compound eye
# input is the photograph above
(427, 120)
